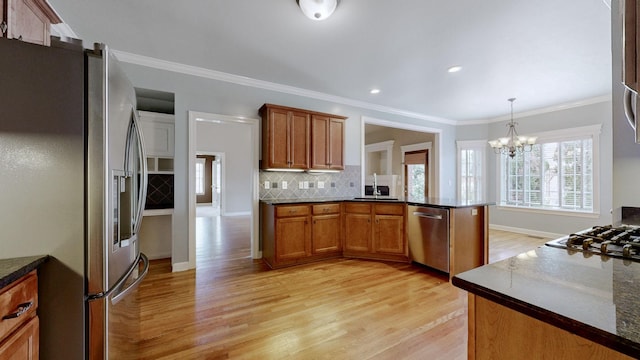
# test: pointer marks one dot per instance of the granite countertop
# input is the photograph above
(14, 268)
(445, 202)
(427, 201)
(596, 297)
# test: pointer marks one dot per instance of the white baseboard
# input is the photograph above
(242, 213)
(526, 231)
(181, 266)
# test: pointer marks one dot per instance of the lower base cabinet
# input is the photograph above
(19, 324)
(375, 230)
(297, 234)
(498, 332)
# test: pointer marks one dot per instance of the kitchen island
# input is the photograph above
(553, 303)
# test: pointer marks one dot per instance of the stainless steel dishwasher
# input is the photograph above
(428, 229)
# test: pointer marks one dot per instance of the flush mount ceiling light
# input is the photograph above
(317, 9)
(512, 143)
(454, 69)
(374, 91)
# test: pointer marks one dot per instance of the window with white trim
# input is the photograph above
(471, 170)
(559, 173)
(200, 174)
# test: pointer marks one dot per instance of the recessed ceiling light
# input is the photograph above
(375, 91)
(454, 69)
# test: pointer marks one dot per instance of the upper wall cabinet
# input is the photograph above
(158, 131)
(301, 139)
(285, 137)
(327, 142)
(27, 20)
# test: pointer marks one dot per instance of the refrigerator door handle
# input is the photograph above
(123, 292)
(631, 99)
(120, 283)
(142, 196)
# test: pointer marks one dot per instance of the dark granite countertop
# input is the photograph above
(14, 268)
(427, 201)
(596, 297)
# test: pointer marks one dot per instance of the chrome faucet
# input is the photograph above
(376, 192)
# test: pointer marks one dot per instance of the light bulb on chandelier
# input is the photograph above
(512, 143)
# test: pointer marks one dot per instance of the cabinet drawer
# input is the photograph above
(357, 208)
(390, 209)
(326, 209)
(295, 210)
(19, 296)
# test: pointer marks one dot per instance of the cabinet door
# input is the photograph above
(293, 238)
(357, 234)
(276, 143)
(27, 20)
(319, 142)
(325, 233)
(388, 234)
(327, 143)
(335, 145)
(299, 140)
(158, 138)
(22, 344)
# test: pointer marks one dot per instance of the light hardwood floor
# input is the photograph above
(234, 307)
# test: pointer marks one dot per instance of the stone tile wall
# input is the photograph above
(341, 184)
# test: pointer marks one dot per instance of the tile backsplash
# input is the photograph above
(345, 183)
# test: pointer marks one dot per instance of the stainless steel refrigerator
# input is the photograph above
(73, 150)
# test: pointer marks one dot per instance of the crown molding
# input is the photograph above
(159, 64)
(564, 106)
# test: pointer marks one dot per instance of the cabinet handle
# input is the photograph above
(22, 308)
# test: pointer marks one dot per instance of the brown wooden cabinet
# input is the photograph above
(327, 142)
(498, 332)
(19, 324)
(375, 230)
(325, 229)
(286, 137)
(296, 234)
(301, 139)
(27, 20)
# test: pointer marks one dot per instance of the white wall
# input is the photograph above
(234, 140)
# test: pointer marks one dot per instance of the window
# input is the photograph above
(471, 171)
(416, 163)
(559, 173)
(200, 173)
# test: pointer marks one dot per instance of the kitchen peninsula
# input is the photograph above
(554, 303)
(297, 231)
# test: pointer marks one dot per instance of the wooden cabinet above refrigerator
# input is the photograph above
(27, 20)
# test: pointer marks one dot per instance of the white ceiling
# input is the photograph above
(545, 52)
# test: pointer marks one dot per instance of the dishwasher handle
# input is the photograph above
(428, 216)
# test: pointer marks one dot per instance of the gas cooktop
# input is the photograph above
(620, 241)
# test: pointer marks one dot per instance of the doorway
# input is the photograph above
(209, 178)
(234, 199)
(416, 174)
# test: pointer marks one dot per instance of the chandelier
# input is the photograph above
(317, 9)
(512, 143)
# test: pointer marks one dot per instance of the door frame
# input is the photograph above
(219, 155)
(418, 147)
(434, 181)
(253, 125)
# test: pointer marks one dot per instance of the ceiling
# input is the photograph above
(545, 53)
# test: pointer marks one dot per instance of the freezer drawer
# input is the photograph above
(428, 230)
